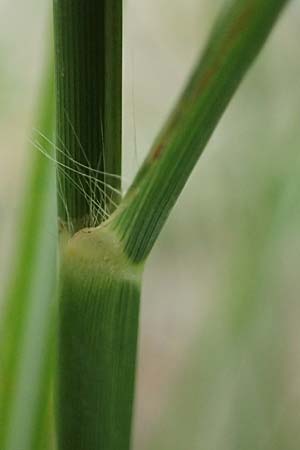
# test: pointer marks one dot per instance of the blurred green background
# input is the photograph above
(219, 358)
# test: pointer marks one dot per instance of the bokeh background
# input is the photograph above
(219, 358)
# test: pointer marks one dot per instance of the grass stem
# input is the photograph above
(239, 34)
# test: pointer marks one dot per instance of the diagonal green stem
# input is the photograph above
(88, 36)
(237, 38)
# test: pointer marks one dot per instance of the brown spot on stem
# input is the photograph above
(157, 151)
(238, 26)
(207, 77)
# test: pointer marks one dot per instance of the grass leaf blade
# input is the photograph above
(27, 325)
(237, 38)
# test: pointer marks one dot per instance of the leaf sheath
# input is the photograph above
(98, 323)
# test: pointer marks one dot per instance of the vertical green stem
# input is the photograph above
(98, 328)
(99, 288)
(88, 36)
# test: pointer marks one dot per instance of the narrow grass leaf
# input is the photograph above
(239, 34)
(27, 323)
